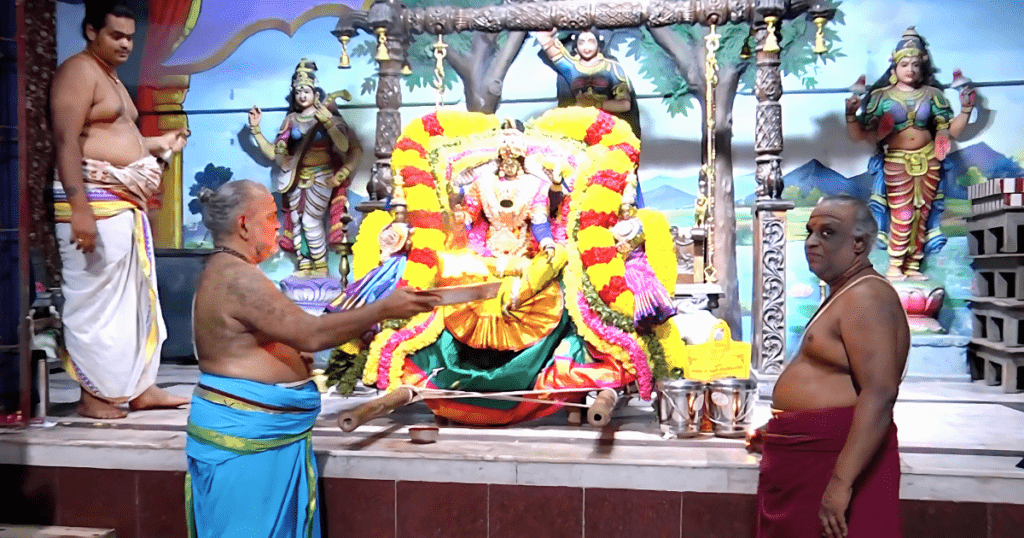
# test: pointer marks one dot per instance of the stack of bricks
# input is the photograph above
(996, 241)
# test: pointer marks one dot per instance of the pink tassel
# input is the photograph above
(652, 304)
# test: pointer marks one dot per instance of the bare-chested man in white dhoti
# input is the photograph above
(113, 327)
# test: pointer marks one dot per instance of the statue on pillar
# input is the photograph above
(912, 122)
(315, 152)
(586, 77)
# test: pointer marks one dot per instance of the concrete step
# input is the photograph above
(51, 531)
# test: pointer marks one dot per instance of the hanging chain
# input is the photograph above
(440, 52)
(706, 206)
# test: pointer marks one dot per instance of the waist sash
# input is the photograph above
(237, 417)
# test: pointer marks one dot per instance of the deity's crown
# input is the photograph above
(305, 74)
(911, 44)
(513, 145)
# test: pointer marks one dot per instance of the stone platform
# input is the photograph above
(960, 443)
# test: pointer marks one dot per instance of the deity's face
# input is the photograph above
(304, 96)
(113, 43)
(831, 247)
(586, 45)
(511, 167)
(908, 71)
(262, 224)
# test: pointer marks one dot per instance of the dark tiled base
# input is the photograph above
(150, 504)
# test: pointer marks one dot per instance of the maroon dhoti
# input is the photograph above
(799, 455)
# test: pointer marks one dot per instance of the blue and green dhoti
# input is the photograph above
(251, 470)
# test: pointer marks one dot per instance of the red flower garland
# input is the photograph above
(630, 150)
(431, 125)
(590, 218)
(423, 255)
(615, 181)
(615, 287)
(416, 176)
(598, 255)
(420, 218)
(410, 144)
(601, 126)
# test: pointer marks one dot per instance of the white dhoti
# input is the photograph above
(113, 327)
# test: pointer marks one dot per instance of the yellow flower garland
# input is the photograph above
(373, 357)
(413, 344)
(672, 343)
(570, 121)
(660, 247)
(572, 291)
(366, 249)
(458, 124)
(421, 198)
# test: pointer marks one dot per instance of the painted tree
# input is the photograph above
(972, 176)
(211, 177)
(673, 59)
(479, 59)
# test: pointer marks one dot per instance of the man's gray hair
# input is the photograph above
(222, 207)
(864, 223)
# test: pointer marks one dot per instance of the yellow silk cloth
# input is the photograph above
(483, 324)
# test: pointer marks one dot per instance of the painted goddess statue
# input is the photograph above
(911, 121)
(589, 78)
(315, 152)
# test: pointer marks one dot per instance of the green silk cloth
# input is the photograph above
(486, 370)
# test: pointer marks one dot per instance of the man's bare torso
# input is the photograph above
(820, 376)
(109, 133)
(224, 345)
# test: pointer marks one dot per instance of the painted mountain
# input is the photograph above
(651, 184)
(814, 175)
(667, 198)
(979, 155)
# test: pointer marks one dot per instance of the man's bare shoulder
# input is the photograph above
(224, 276)
(79, 65)
(240, 290)
(75, 74)
(870, 295)
(872, 305)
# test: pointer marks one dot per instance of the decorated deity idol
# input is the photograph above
(505, 206)
(315, 152)
(545, 215)
(912, 122)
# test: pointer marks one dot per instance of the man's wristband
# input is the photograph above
(255, 129)
(851, 118)
(967, 110)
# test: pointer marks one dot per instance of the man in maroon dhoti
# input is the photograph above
(830, 464)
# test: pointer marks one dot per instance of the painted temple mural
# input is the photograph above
(216, 61)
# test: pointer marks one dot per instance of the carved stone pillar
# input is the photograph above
(389, 123)
(40, 47)
(769, 301)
